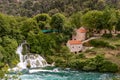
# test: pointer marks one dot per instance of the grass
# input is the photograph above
(113, 41)
(110, 54)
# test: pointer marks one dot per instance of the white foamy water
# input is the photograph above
(21, 64)
(29, 60)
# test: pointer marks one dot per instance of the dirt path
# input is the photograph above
(90, 39)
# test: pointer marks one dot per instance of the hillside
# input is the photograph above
(47, 25)
(67, 7)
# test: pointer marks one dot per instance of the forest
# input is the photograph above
(30, 8)
(25, 20)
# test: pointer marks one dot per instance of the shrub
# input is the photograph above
(90, 65)
(100, 43)
(108, 66)
(76, 64)
(81, 55)
(60, 62)
(107, 35)
(111, 47)
(13, 63)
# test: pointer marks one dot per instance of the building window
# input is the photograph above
(75, 52)
(73, 47)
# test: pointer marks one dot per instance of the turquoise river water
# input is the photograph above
(66, 75)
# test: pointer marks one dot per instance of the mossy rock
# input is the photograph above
(28, 65)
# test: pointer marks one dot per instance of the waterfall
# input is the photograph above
(19, 52)
(29, 60)
(21, 64)
(35, 60)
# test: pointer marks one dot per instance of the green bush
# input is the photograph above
(14, 63)
(60, 62)
(100, 43)
(80, 55)
(111, 47)
(90, 65)
(108, 66)
(50, 59)
(107, 35)
(76, 64)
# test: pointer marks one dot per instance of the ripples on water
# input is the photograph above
(67, 75)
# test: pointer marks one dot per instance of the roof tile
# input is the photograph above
(82, 30)
(74, 42)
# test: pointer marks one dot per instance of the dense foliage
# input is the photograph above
(68, 7)
(101, 43)
(99, 63)
(60, 17)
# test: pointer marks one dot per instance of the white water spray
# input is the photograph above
(21, 64)
(29, 60)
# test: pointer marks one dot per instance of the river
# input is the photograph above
(55, 74)
(48, 73)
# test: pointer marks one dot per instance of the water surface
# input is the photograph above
(67, 75)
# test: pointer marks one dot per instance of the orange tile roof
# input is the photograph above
(74, 42)
(82, 30)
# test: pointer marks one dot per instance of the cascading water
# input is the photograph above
(29, 60)
(35, 61)
(21, 64)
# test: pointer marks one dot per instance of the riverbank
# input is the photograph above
(65, 75)
(100, 58)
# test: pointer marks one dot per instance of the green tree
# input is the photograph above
(29, 25)
(27, 4)
(42, 20)
(58, 21)
(93, 21)
(76, 19)
(108, 66)
(118, 18)
(109, 19)
(41, 43)
(4, 25)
